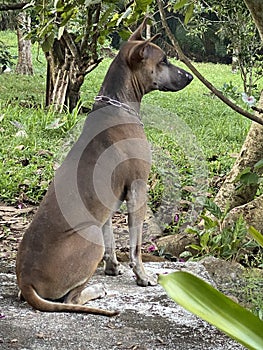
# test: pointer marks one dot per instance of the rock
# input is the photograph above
(124, 257)
(222, 270)
(153, 229)
(177, 243)
(251, 212)
(226, 275)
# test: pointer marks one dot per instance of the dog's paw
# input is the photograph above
(114, 269)
(99, 290)
(147, 281)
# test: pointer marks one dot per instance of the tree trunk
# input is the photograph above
(24, 64)
(250, 154)
(148, 31)
(69, 61)
(243, 201)
(65, 74)
(256, 9)
(251, 213)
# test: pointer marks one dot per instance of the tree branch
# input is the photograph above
(187, 62)
(259, 110)
(70, 44)
(10, 7)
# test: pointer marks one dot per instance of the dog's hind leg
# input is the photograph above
(112, 266)
(136, 204)
(82, 294)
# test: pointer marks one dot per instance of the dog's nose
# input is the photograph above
(189, 77)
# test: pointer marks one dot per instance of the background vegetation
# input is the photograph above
(31, 136)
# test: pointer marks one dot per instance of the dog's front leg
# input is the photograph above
(136, 205)
(112, 266)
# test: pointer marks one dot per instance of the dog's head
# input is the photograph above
(154, 70)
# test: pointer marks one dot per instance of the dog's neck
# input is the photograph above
(121, 85)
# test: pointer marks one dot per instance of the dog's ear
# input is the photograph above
(156, 36)
(137, 35)
(138, 53)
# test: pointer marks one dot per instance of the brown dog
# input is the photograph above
(110, 163)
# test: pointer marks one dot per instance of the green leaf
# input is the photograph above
(191, 230)
(180, 4)
(124, 34)
(186, 254)
(59, 5)
(256, 235)
(209, 222)
(194, 246)
(213, 208)
(204, 239)
(67, 15)
(189, 13)
(60, 32)
(259, 164)
(203, 300)
(243, 172)
(143, 4)
(249, 179)
(47, 44)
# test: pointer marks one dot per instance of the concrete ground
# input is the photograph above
(148, 319)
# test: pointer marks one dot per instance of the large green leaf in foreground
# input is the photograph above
(203, 300)
(256, 235)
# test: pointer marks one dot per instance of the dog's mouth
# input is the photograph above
(171, 88)
(178, 85)
(164, 88)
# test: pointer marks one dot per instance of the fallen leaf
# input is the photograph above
(40, 335)
(13, 341)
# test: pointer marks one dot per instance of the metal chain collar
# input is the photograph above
(111, 101)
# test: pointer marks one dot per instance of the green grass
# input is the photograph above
(219, 130)
(27, 150)
(252, 291)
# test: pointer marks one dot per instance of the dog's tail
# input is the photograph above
(31, 296)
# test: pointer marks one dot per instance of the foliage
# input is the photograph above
(214, 307)
(223, 241)
(5, 56)
(53, 18)
(251, 291)
(28, 157)
(234, 24)
(257, 237)
(230, 90)
(72, 34)
(250, 176)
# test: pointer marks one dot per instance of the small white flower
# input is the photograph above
(55, 124)
(21, 133)
(249, 100)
